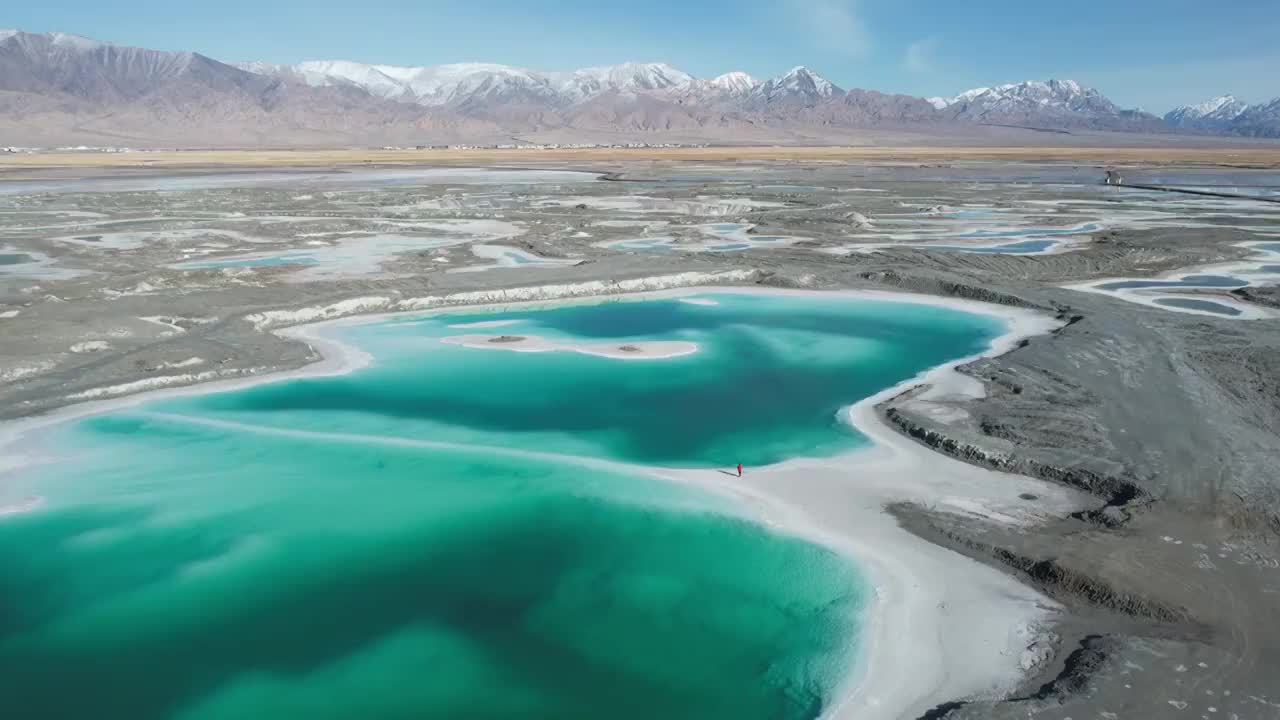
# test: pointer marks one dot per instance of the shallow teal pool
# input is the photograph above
(286, 258)
(455, 532)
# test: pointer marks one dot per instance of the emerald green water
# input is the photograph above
(447, 533)
(767, 383)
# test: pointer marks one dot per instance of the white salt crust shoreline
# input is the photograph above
(502, 297)
(1221, 296)
(1062, 244)
(941, 627)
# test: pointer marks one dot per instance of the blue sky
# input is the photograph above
(1149, 53)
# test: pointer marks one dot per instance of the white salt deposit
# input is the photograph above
(90, 346)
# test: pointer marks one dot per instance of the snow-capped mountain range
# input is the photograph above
(1225, 114)
(442, 85)
(735, 83)
(57, 88)
(1062, 103)
(1064, 94)
(1223, 108)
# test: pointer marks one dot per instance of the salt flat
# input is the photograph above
(1160, 416)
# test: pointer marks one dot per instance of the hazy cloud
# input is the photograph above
(837, 25)
(919, 57)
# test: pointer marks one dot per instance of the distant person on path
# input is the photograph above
(739, 469)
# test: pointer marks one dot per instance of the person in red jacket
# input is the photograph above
(739, 469)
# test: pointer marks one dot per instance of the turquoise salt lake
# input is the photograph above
(455, 532)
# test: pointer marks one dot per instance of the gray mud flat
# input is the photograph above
(1171, 420)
